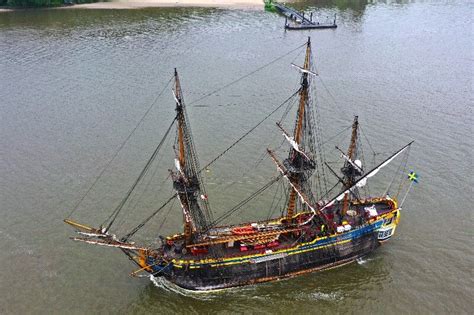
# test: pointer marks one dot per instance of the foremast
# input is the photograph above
(186, 179)
(352, 168)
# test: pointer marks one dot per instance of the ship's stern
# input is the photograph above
(389, 226)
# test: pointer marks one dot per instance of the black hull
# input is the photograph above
(215, 278)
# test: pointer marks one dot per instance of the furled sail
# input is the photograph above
(303, 70)
(295, 146)
(357, 164)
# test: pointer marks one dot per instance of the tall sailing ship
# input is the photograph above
(312, 234)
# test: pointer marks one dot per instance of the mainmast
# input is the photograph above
(298, 164)
(186, 179)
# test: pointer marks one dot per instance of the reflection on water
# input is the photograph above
(355, 5)
(79, 18)
(64, 20)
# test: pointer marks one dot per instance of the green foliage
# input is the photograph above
(38, 3)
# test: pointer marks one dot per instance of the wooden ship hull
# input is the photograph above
(200, 273)
(271, 267)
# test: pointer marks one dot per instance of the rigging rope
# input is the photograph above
(318, 142)
(115, 213)
(245, 201)
(248, 132)
(341, 109)
(118, 150)
(368, 142)
(138, 227)
(246, 75)
(287, 110)
(329, 191)
(117, 210)
(360, 148)
(389, 187)
(148, 184)
(336, 135)
(166, 215)
(240, 139)
(405, 162)
(280, 191)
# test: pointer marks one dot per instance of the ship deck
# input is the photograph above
(224, 243)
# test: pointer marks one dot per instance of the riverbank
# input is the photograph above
(132, 4)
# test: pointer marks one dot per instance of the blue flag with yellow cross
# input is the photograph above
(412, 176)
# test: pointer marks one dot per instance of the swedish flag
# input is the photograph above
(413, 177)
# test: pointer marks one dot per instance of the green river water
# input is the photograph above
(74, 84)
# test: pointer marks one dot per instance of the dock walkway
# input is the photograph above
(292, 14)
(300, 21)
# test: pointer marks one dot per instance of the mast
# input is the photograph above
(362, 181)
(186, 180)
(304, 198)
(349, 171)
(180, 119)
(298, 164)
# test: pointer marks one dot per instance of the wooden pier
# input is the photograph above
(291, 14)
(300, 21)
